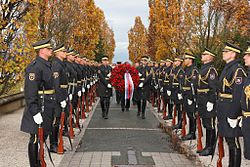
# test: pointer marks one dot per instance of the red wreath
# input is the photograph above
(117, 76)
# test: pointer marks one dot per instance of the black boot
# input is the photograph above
(170, 110)
(139, 108)
(106, 109)
(103, 108)
(236, 157)
(33, 155)
(192, 129)
(207, 150)
(54, 139)
(144, 103)
(179, 124)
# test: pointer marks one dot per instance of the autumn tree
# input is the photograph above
(137, 40)
(14, 54)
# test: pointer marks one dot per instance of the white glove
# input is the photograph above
(232, 122)
(94, 82)
(79, 93)
(83, 89)
(109, 86)
(210, 106)
(91, 83)
(140, 85)
(63, 103)
(38, 118)
(179, 95)
(190, 102)
(70, 97)
(140, 74)
(156, 86)
(88, 86)
(161, 90)
(109, 74)
(168, 92)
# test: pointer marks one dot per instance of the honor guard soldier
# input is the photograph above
(177, 80)
(189, 93)
(72, 77)
(167, 90)
(228, 106)
(155, 84)
(60, 85)
(117, 93)
(39, 97)
(143, 90)
(104, 88)
(206, 99)
(245, 105)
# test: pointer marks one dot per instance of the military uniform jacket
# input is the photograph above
(145, 78)
(102, 88)
(154, 82)
(245, 105)
(177, 80)
(60, 83)
(38, 77)
(228, 105)
(167, 85)
(207, 90)
(191, 78)
(72, 81)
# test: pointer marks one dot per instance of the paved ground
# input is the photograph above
(124, 139)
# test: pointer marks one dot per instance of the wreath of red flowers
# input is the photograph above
(117, 76)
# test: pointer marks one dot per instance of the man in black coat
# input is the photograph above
(104, 89)
(189, 93)
(177, 80)
(61, 86)
(206, 98)
(143, 90)
(39, 96)
(229, 110)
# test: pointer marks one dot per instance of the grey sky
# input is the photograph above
(120, 15)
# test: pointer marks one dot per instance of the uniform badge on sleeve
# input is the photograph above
(32, 76)
(56, 75)
(238, 80)
(212, 76)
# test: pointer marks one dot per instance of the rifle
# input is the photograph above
(60, 149)
(41, 138)
(71, 131)
(175, 114)
(199, 141)
(221, 151)
(83, 102)
(184, 122)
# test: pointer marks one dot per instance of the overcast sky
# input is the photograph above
(120, 15)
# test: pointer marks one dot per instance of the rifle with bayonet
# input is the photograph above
(199, 127)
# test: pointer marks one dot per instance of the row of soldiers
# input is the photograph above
(219, 100)
(64, 84)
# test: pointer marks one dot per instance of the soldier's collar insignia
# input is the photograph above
(238, 80)
(32, 76)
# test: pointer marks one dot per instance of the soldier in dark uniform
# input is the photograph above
(177, 80)
(60, 85)
(155, 84)
(38, 89)
(228, 106)
(189, 92)
(117, 93)
(144, 87)
(206, 99)
(167, 90)
(245, 105)
(104, 88)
